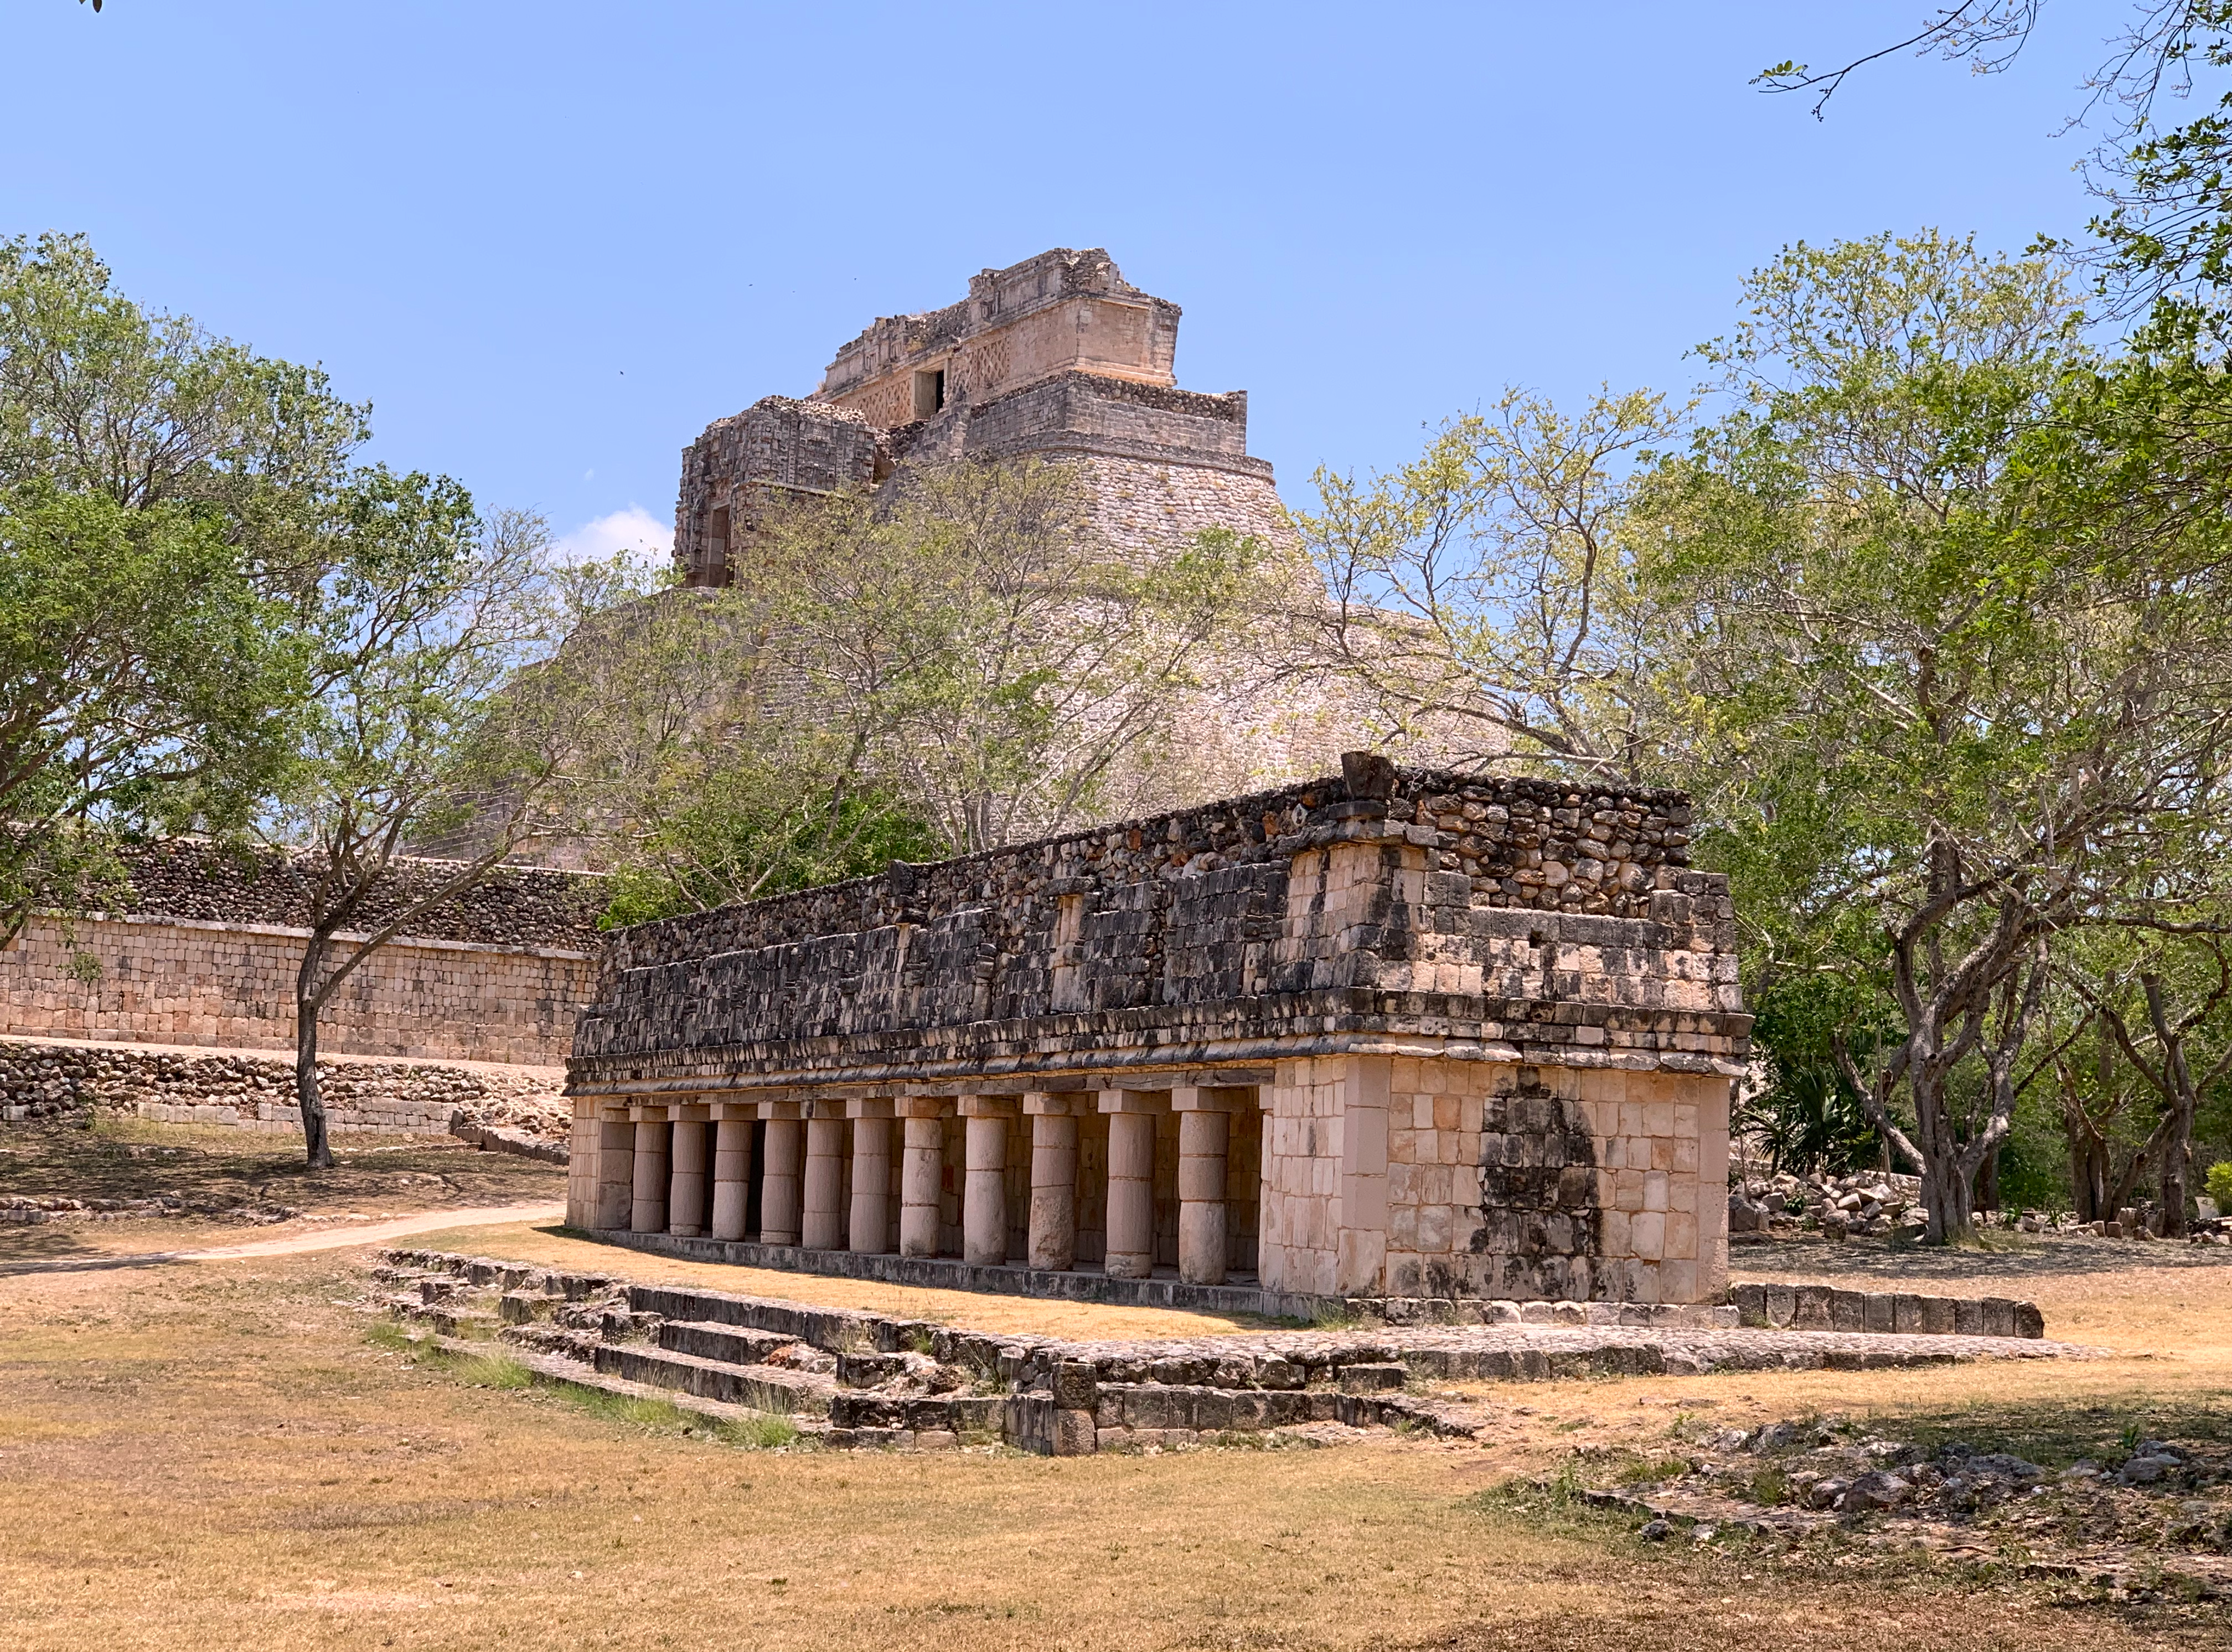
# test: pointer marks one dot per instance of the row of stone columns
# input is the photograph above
(682, 1170)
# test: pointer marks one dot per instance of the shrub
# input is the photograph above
(2218, 1184)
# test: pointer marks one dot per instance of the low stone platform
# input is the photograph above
(850, 1378)
(1164, 1290)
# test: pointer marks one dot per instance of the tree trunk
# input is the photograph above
(2088, 1169)
(317, 1147)
(2177, 1162)
(1947, 1204)
(1949, 1198)
(2184, 1101)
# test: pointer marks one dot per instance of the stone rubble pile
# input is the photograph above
(2154, 1514)
(1870, 1205)
(1877, 1204)
(856, 1379)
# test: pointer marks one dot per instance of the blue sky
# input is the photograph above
(550, 242)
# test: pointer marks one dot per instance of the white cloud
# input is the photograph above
(632, 530)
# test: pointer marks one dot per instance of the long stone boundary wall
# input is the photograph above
(201, 944)
(183, 981)
(58, 1080)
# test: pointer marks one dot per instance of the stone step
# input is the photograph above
(521, 1307)
(557, 1371)
(1157, 1412)
(831, 1329)
(449, 1319)
(960, 1414)
(763, 1388)
(731, 1344)
(493, 1272)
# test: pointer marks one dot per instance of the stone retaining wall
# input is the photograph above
(1817, 1307)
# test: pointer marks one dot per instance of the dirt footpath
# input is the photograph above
(73, 1197)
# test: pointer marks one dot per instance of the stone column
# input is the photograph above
(1360, 1248)
(1131, 1183)
(615, 1173)
(821, 1223)
(732, 1172)
(779, 1178)
(582, 1141)
(870, 1230)
(1053, 1180)
(985, 1194)
(1204, 1130)
(690, 1181)
(921, 1174)
(648, 1213)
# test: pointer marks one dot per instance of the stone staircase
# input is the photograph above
(849, 1379)
(845, 1378)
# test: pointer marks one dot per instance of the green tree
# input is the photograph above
(1493, 590)
(425, 612)
(706, 773)
(2160, 999)
(145, 685)
(971, 645)
(100, 395)
(1931, 694)
(160, 496)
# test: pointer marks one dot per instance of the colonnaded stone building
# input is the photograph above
(1400, 1033)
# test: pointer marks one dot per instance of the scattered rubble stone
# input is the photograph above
(2159, 1519)
(1876, 1205)
(35, 1208)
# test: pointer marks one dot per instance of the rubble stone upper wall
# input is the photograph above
(513, 906)
(1524, 911)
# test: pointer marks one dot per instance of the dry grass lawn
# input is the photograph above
(214, 1454)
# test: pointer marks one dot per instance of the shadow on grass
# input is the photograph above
(2056, 1432)
(2011, 1257)
(213, 1169)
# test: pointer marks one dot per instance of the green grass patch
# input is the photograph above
(386, 1334)
(761, 1432)
(491, 1370)
(1649, 1471)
